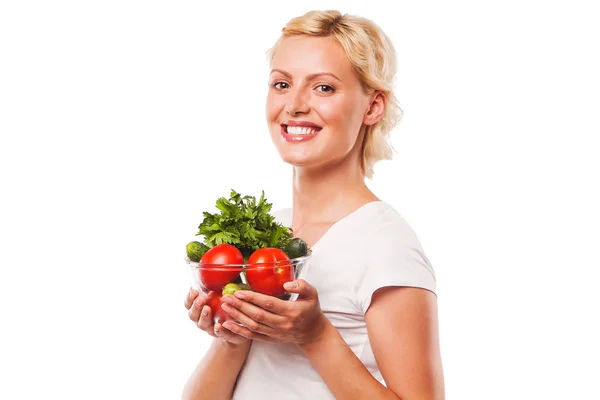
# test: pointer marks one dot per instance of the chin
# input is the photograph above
(309, 154)
(297, 160)
(293, 154)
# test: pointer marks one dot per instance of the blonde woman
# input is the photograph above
(365, 323)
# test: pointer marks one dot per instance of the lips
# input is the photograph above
(299, 131)
(298, 134)
(304, 124)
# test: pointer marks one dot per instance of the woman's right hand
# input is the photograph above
(201, 315)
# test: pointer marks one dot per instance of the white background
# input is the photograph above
(121, 121)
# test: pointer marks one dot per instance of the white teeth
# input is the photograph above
(298, 130)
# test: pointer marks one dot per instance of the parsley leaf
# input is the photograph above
(244, 223)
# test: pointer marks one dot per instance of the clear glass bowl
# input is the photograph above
(267, 278)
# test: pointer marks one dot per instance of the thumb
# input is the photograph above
(303, 288)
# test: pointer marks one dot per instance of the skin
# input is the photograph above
(215, 376)
(328, 184)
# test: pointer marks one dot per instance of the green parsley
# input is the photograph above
(244, 223)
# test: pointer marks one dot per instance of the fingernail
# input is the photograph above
(226, 307)
(205, 312)
(239, 295)
(228, 299)
(193, 294)
(199, 302)
(291, 285)
(216, 330)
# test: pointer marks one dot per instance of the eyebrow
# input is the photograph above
(309, 77)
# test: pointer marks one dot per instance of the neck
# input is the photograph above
(327, 194)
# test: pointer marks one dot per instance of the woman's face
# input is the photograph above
(315, 106)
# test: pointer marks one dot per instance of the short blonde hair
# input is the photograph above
(373, 59)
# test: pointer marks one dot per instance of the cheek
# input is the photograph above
(340, 114)
(274, 107)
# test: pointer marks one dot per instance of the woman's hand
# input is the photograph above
(270, 319)
(201, 315)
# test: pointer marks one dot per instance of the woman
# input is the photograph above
(365, 322)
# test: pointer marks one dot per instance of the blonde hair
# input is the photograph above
(373, 59)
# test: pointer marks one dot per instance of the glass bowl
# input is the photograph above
(266, 278)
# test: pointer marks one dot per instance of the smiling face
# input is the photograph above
(316, 105)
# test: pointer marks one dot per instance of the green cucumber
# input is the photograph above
(296, 248)
(195, 250)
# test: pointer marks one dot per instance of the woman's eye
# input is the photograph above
(281, 85)
(325, 89)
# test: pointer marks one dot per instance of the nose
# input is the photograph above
(297, 103)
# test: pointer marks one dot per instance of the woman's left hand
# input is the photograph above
(270, 319)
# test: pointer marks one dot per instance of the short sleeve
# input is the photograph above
(393, 257)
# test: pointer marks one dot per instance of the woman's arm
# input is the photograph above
(407, 350)
(345, 375)
(215, 377)
(402, 326)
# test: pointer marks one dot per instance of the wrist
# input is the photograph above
(241, 347)
(318, 335)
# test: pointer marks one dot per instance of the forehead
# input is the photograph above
(306, 54)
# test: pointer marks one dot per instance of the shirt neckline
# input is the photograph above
(342, 220)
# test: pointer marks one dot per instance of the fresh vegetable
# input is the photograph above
(266, 274)
(195, 250)
(214, 300)
(296, 248)
(231, 288)
(213, 275)
(243, 231)
(244, 223)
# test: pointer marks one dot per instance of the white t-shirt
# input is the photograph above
(373, 247)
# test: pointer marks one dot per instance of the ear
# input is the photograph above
(376, 109)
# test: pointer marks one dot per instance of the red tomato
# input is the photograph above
(214, 301)
(213, 275)
(269, 278)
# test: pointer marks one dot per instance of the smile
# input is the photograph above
(299, 130)
(299, 133)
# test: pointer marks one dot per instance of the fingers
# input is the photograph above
(303, 288)
(253, 317)
(200, 313)
(268, 303)
(244, 333)
(191, 296)
(221, 331)
(206, 323)
(196, 308)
